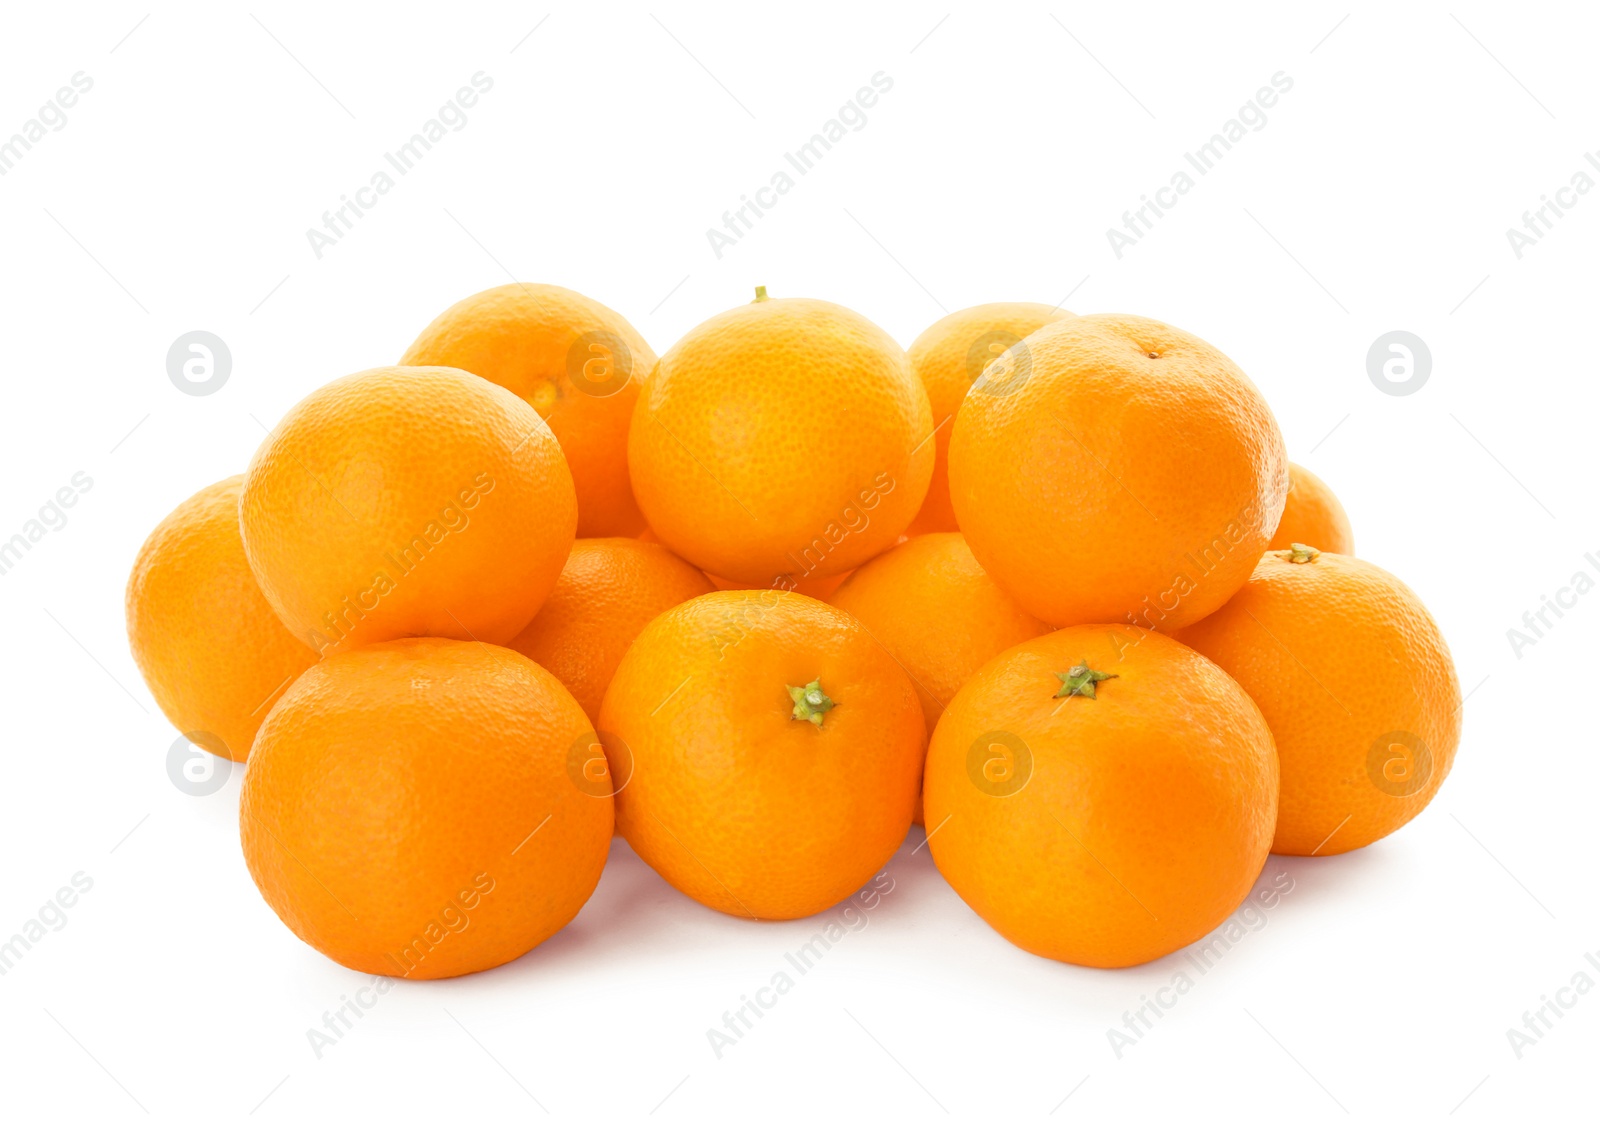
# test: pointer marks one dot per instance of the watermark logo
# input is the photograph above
(850, 118)
(999, 363)
(599, 763)
(738, 621)
(853, 917)
(1250, 118)
(1201, 958)
(402, 559)
(455, 917)
(1399, 764)
(337, 1023)
(1201, 561)
(1552, 610)
(1541, 1021)
(1399, 363)
(451, 117)
(854, 518)
(999, 764)
(52, 116)
(599, 363)
(51, 917)
(199, 363)
(1540, 221)
(198, 763)
(51, 518)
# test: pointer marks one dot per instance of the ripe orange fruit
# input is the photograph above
(1357, 684)
(937, 613)
(575, 362)
(1118, 470)
(780, 440)
(212, 652)
(1313, 515)
(407, 501)
(610, 588)
(775, 752)
(1101, 795)
(948, 356)
(410, 808)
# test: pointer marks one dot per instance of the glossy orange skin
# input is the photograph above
(208, 644)
(785, 438)
(731, 799)
(937, 613)
(574, 361)
(1312, 515)
(1145, 815)
(1104, 485)
(410, 811)
(609, 590)
(1341, 657)
(404, 502)
(947, 357)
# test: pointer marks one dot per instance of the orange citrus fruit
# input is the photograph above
(1357, 684)
(411, 808)
(948, 356)
(1101, 795)
(610, 588)
(577, 363)
(781, 440)
(774, 747)
(212, 652)
(407, 501)
(1313, 515)
(937, 613)
(1117, 470)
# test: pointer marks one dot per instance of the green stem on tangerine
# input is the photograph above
(1298, 553)
(761, 294)
(810, 703)
(1080, 681)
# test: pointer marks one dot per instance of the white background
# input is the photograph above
(1377, 197)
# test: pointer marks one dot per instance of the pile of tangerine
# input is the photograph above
(1046, 584)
